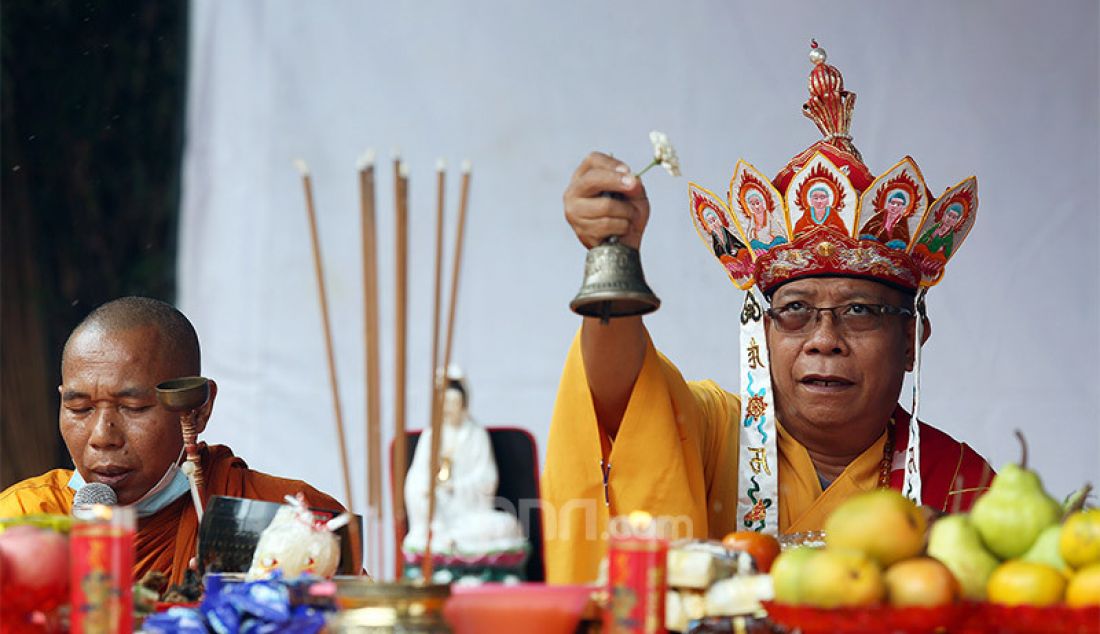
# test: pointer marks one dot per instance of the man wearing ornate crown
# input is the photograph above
(822, 366)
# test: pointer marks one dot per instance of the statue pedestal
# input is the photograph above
(490, 567)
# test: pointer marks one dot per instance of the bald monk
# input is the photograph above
(118, 434)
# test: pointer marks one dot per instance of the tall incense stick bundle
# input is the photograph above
(437, 405)
(371, 361)
(436, 380)
(401, 273)
(307, 187)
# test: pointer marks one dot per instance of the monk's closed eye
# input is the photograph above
(135, 409)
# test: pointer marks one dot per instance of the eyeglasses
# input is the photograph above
(799, 317)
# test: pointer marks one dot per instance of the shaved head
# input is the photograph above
(177, 336)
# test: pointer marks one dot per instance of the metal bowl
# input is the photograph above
(184, 394)
(369, 606)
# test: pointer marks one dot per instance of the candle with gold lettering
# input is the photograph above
(636, 576)
(101, 547)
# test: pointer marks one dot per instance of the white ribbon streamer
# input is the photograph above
(758, 467)
(912, 486)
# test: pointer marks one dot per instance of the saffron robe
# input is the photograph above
(167, 540)
(676, 455)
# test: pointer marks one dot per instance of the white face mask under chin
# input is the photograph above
(168, 489)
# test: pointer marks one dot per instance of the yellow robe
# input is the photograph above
(675, 455)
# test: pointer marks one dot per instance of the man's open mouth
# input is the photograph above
(816, 380)
(112, 476)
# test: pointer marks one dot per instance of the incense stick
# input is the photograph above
(371, 361)
(401, 272)
(456, 266)
(436, 382)
(307, 187)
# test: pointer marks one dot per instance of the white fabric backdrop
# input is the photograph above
(1004, 90)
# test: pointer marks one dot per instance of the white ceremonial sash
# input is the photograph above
(912, 486)
(758, 467)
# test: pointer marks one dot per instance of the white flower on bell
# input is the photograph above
(663, 154)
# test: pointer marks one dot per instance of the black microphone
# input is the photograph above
(95, 493)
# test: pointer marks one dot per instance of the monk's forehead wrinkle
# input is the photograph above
(96, 392)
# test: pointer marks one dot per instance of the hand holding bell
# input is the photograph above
(607, 207)
(603, 200)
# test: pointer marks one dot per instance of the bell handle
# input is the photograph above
(616, 196)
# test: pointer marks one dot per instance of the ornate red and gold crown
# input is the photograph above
(833, 216)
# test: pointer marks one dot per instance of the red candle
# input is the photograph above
(636, 576)
(101, 547)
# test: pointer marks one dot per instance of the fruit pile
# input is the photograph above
(1017, 555)
(1014, 548)
(873, 554)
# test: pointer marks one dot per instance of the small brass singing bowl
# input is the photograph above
(184, 394)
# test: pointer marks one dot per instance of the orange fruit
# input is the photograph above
(1080, 541)
(1084, 587)
(763, 548)
(1017, 582)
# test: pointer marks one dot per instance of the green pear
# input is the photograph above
(788, 572)
(955, 542)
(1047, 549)
(1015, 510)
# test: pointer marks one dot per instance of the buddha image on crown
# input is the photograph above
(756, 202)
(893, 206)
(945, 226)
(825, 213)
(820, 198)
(717, 228)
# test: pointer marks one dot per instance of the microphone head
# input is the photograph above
(95, 493)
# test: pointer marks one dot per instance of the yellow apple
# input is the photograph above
(881, 523)
(921, 581)
(836, 577)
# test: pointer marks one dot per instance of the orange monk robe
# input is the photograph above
(676, 455)
(166, 541)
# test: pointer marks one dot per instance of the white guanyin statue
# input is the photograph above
(466, 525)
